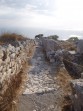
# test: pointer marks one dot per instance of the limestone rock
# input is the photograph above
(9, 71)
(12, 63)
(1, 54)
(1, 61)
(80, 46)
(8, 59)
(1, 67)
(50, 46)
(11, 48)
(13, 55)
(77, 94)
(4, 69)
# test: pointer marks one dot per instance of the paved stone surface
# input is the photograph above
(42, 92)
(40, 75)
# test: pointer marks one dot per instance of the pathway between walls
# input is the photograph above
(42, 92)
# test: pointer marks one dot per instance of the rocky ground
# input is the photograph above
(42, 93)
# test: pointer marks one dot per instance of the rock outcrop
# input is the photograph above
(77, 94)
(73, 64)
(80, 46)
(50, 47)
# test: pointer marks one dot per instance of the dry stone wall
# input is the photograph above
(12, 60)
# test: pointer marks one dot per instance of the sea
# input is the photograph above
(32, 32)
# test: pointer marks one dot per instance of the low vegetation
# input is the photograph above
(8, 38)
(63, 80)
(54, 37)
(73, 39)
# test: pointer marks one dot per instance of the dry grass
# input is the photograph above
(9, 99)
(63, 80)
(9, 95)
(67, 45)
(31, 51)
(7, 38)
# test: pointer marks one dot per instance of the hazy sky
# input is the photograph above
(50, 14)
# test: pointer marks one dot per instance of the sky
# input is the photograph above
(47, 14)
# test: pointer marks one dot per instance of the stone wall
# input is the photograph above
(13, 60)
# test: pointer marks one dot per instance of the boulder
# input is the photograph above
(12, 56)
(50, 47)
(1, 53)
(80, 46)
(77, 94)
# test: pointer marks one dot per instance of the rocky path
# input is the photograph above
(42, 92)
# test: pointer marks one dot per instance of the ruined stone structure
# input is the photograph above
(42, 90)
(13, 62)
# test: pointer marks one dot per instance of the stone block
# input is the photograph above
(1, 53)
(1, 68)
(4, 69)
(1, 62)
(11, 48)
(8, 60)
(12, 56)
(77, 94)
(12, 63)
(9, 71)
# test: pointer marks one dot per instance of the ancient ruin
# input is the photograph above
(40, 75)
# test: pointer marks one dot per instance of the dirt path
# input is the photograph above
(42, 92)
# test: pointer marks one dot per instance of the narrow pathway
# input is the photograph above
(42, 92)
(40, 74)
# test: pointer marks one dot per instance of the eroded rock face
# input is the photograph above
(72, 64)
(55, 54)
(50, 47)
(77, 94)
(80, 47)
